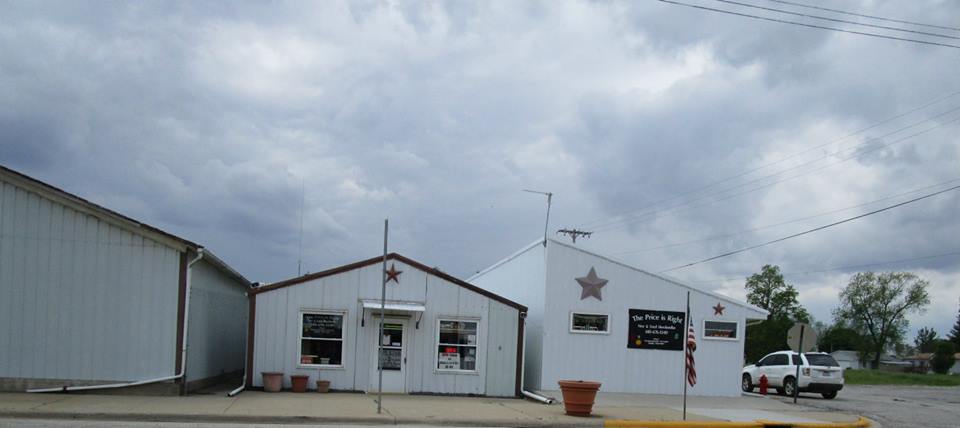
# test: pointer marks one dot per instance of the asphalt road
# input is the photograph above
(894, 406)
(70, 423)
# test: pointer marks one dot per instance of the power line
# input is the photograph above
(884, 27)
(888, 262)
(652, 213)
(865, 16)
(808, 231)
(600, 221)
(784, 21)
(742, 232)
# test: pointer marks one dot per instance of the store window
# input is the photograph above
(589, 323)
(457, 345)
(723, 330)
(321, 339)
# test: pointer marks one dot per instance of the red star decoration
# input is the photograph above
(393, 274)
(718, 310)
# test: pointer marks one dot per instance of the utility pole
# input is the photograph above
(574, 233)
(547, 223)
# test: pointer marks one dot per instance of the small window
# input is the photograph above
(589, 323)
(726, 330)
(321, 339)
(457, 346)
(821, 360)
(778, 360)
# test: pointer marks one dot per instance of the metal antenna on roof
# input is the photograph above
(574, 233)
(547, 223)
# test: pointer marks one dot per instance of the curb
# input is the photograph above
(861, 422)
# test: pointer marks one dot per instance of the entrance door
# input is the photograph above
(393, 356)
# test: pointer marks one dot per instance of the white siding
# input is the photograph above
(82, 299)
(521, 278)
(276, 342)
(218, 319)
(606, 358)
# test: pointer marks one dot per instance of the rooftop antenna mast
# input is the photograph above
(547, 224)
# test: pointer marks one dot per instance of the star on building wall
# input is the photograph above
(393, 274)
(591, 285)
(718, 310)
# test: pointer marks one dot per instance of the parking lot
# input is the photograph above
(894, 406)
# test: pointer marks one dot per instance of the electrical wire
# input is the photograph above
(808, 231)
(888, 262)
(824, 18)
(759, 228)
(653, 213)
(865, 16)
(600, 221)
(784, 21)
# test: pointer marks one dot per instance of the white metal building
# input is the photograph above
(441, 335)
(91, 297)
(593, 318)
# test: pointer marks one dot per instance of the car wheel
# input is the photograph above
(745, 385)
(829, 395)
(789, 386)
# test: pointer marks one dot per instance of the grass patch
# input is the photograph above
(876, 377)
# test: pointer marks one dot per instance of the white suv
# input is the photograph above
(819, 372)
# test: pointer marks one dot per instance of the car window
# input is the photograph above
(821, 360)
(778, 360)
(795, 358)
(765, 361)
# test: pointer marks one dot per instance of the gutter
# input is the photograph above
(183, 351)
(246, 352)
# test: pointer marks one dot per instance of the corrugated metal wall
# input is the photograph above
(277, 331)
(605, 357)
(82, 299)
(216, 339)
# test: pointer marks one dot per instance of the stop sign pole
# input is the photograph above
(801, 338)
(796, 380)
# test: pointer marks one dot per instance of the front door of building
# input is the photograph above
(392, 355)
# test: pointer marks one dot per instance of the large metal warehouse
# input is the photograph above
(91, 297)
(594, 318)
(441, 335)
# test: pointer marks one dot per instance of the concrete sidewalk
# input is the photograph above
(287, 407)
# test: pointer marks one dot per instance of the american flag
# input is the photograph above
(691, 347)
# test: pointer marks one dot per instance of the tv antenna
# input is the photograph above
(574, 233)
(547, 223)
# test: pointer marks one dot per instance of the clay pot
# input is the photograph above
(323, 385)
(272, 381)
(578, 396)
(299, 383)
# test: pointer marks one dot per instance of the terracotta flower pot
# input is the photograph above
(299, 383)
(323, 385)
(578, 396)
(272, 381)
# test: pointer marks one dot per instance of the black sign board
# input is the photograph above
(322, 325)
(656, 330)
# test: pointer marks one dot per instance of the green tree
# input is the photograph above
(878, 304)
(954, 335)
(943, 357)
(926, 338)
(768, 290)
(840, 337)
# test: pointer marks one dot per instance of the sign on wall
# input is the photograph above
(656, 330)
(449, 361)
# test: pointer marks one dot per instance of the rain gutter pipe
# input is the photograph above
(523, 375)
(183, 350)
(246, 350)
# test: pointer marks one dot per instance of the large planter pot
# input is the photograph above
(299, 383)
(272, 381)
(323, 385)
(578, 396)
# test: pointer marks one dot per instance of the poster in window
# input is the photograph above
(449, 361)
(327, 326)
(720, 329)
(663, 330)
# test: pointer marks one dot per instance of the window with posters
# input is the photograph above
(457, 345)
(723, 330)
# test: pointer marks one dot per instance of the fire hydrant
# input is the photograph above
(764, 383)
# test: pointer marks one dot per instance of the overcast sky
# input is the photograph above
(212, 120)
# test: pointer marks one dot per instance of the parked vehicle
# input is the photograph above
(819, 373)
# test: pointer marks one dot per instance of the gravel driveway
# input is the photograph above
(894, 406)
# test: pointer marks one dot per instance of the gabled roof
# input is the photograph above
(110, 216)
(379, 259)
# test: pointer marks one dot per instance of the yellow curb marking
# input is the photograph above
(861, 422)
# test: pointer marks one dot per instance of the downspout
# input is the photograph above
(523, 369)
(183, 350)
(246, 351)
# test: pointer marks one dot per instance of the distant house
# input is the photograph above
(848, 359)
(92, 297)
(594, 318)
(921, 363)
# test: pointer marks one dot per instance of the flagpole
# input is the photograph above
(685, 367)
(383, 303)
